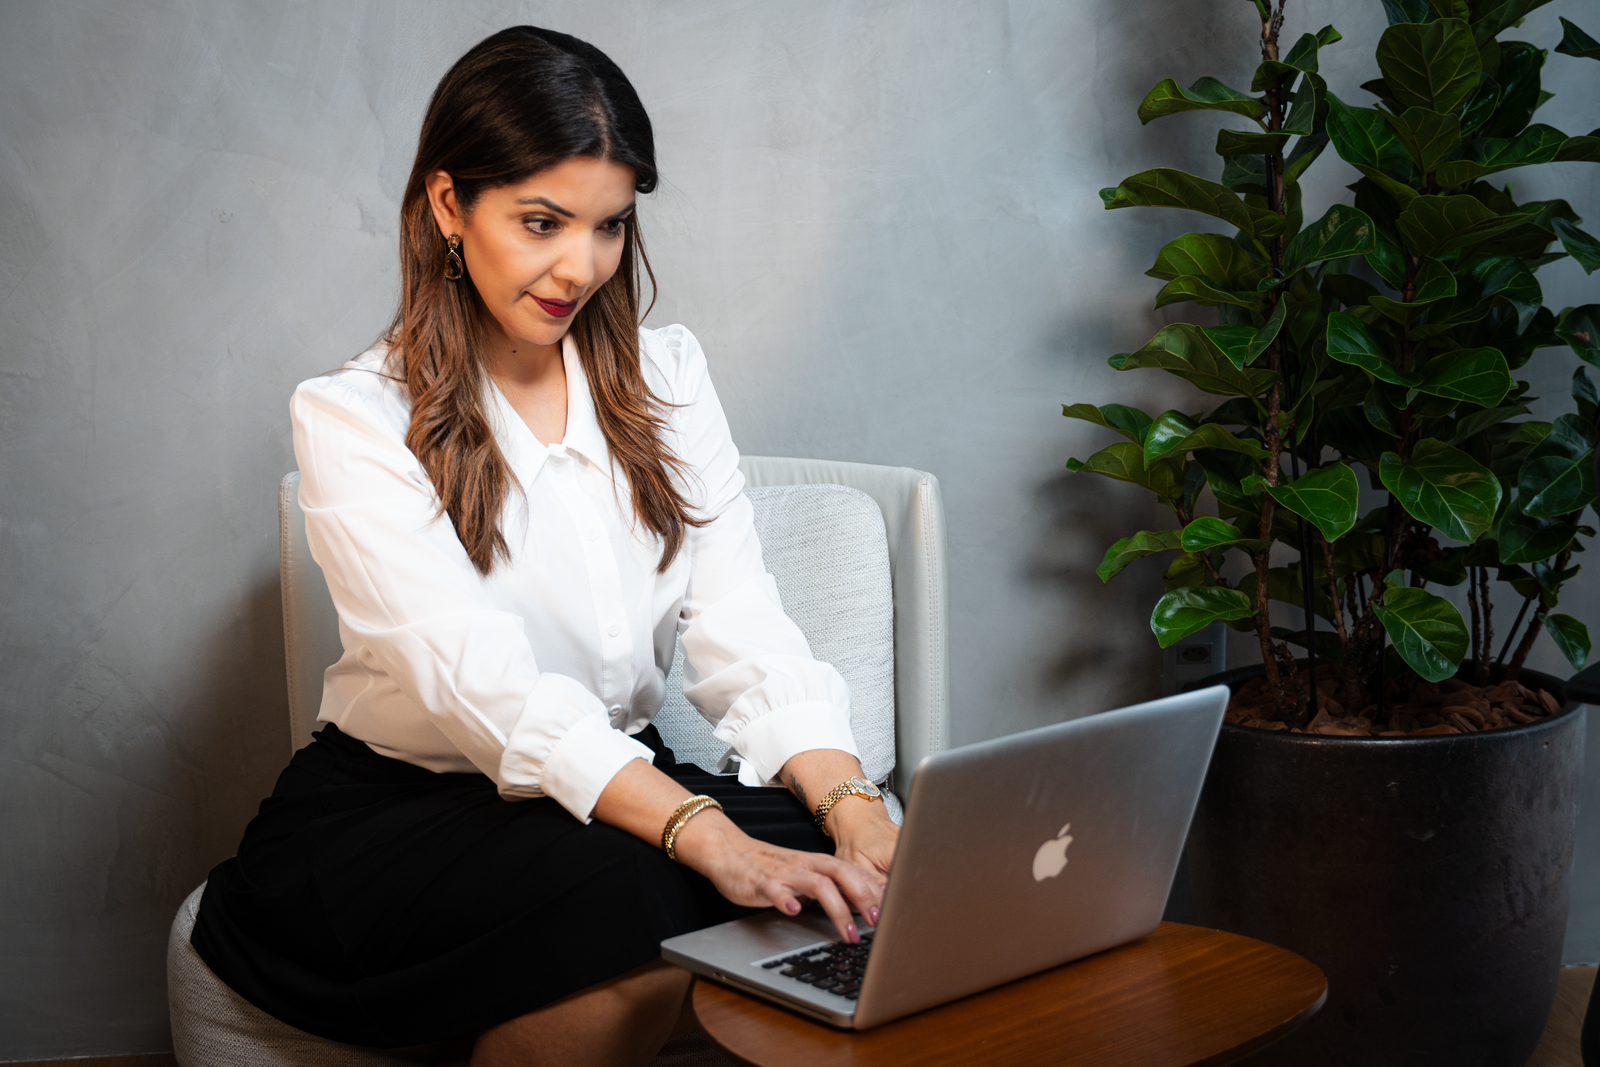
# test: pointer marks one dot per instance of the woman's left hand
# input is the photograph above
(869, 846)
(862, 831)
(866, 837)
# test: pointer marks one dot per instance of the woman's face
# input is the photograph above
(539, 249)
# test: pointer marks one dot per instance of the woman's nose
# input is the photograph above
(575, 267)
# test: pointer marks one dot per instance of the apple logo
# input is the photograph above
(1052, 855)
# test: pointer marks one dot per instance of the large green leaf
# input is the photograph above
(1574, 42)
(1507, 278)
(1536, 144)
(1427, 630)
(1306, 151)
(1174, 432)
(1186, 611)
(1234, 340)
(1250, 143)
(1124, 461)
(1224, 471)
(1443, 487)
(1433, 66)
(1520, 93)
(1328, 496)
(1211, 435)
(1557, 475)
(1495, 16)
(1190, 289)
(1585, 149)
(1129, 422)
(1207, 94)
(1364, 140)
(1263, 337)
(1579, 327)
(1570, 635)
(1308, 102)
(1343, 231)
(1431, 225)
(1427, 136)
(1164, 187)
(1477, 375)
(1579, 245)
(1408, 11)
(1351, 341)
(1168, 429)
(1187, 569)
(1185, 350)
(1526, 539)
(1212, 256)
(1432, 282)
(1207, 532)
(1144, 543)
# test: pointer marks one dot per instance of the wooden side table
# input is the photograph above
(1181, 997)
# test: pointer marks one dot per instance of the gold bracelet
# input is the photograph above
(686, 811)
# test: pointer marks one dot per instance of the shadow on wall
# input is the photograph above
(1102, 654)
(1105, 641)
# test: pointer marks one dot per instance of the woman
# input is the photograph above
(519, 499)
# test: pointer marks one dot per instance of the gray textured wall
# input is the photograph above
(880, 217)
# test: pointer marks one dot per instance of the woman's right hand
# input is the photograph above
(756, 874)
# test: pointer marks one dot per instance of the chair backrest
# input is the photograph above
(913, 534)
(825, 546)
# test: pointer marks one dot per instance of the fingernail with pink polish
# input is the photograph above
(792, 906)
(872, 916)
(850, 933)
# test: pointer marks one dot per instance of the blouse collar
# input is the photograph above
(584, 435)
(525, 452)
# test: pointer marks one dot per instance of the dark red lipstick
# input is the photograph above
(559, 308)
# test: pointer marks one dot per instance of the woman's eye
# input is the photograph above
(614, 228)
(541, 225)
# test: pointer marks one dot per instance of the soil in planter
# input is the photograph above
(1448, 707)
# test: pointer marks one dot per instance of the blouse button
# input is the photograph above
(613, 629)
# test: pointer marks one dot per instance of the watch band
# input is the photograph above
(839, 792)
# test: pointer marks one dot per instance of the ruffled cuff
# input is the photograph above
(565, 748)
(766, 743)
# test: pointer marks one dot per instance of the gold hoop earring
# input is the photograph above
(453, 266)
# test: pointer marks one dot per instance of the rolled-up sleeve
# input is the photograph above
(412, 606)
(749, 669)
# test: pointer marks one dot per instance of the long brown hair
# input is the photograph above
(519, 102)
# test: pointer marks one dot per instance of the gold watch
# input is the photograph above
(855, 786)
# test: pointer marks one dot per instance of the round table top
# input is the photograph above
(1179, 997)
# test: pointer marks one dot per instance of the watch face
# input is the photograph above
(864, 786)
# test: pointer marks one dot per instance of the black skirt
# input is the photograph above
(378, 903)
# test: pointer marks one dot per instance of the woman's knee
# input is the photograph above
(622, 1020)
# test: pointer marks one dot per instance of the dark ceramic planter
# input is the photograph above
(1427, 877)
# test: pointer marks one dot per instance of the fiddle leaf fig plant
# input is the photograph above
(1378, 342)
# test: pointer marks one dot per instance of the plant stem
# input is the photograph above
(1525, 645)
(1521, 655)
(1308, 594)
(1488, 626)
(1500, 659)
(1472, 603)
(1290, 705)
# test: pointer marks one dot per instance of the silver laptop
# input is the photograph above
(1017, 855)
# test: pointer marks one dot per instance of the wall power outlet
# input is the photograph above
(1195, 657)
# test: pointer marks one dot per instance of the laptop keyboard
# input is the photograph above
(835, 968)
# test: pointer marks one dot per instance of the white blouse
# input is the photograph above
(537, 674)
